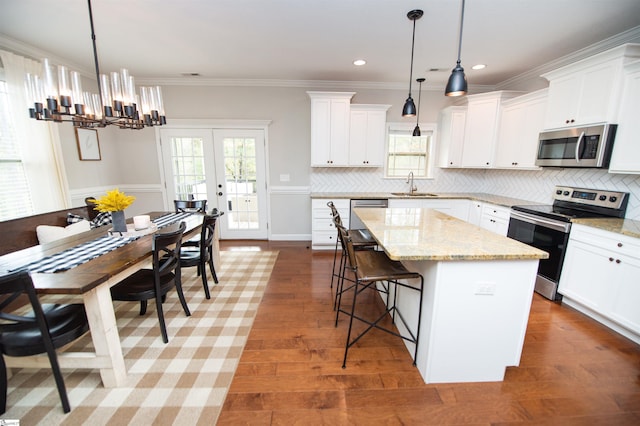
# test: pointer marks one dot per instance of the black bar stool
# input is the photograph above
(370, 267)
(361, 238)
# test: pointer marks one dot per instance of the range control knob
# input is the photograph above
(566, 192)
(603, 197)
(559, 191)
(613, 198)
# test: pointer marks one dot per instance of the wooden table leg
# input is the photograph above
(104, 333)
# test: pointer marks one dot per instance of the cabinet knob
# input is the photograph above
(619, 244)
(618, 261)
(611, 259)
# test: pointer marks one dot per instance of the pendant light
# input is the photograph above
(409, 109)
(416, 131)
(457, 84)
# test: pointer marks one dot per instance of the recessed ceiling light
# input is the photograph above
(359, 62)
(478, 67)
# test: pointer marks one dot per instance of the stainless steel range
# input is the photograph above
(547, 227)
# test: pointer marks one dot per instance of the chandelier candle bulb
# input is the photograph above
(64, 88)
(76, 93)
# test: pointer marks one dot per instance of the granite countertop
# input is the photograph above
(627, 227)
(426, 234)
(474, 196)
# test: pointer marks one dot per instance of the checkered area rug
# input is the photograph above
(183, 382)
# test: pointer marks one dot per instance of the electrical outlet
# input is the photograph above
(486, 289)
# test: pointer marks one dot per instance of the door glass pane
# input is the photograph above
(188, 168)
(240, 178)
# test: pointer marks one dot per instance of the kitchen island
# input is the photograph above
(477, 294)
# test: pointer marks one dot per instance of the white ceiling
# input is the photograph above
(314, 40)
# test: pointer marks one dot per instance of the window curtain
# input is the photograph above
(39, 140)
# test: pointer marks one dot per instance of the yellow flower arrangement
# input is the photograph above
(114, 201)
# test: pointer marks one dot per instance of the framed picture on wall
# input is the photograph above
(88, 144)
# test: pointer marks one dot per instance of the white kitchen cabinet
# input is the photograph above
(600, 278)
(495, 218)
(323, 231)
(626, 149)
(367, 135)
(451, 136)
(481, 127)
(588, 91)
(521, 122)
(475, 212)
(330, 119)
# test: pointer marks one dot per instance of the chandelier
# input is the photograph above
(58, 97)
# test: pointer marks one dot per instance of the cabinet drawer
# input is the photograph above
(323, 224)
(496, 211)
(605, 240)
(324, 238)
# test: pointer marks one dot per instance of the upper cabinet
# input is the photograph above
(626, 149)
(367, 135)
(468, 133)
(521, 122)
(588, 91)
(451, 136)
(330, 122)
(345, 134)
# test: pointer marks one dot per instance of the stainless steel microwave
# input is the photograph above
(587, 146)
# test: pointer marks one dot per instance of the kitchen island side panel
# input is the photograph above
(474, 317)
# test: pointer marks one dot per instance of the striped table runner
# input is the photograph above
(84, 252)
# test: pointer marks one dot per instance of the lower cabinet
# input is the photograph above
(600, 278)
(495, 218)
(323, 232)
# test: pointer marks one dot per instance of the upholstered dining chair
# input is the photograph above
(42, 330)
(195, 206)
(147, 284)
(201, 254)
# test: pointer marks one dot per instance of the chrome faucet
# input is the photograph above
(412, 187)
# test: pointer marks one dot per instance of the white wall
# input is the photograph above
(130, 157)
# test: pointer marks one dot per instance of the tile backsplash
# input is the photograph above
(535, 185)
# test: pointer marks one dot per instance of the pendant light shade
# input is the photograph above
(409, 108)
(416, 131)
(457, 84)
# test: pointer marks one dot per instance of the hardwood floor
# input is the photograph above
(573, 371)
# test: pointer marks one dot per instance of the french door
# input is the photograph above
(227, 167)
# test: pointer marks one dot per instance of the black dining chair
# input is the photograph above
(42, 330)
(201, 254)
(193, 206)
(147, 284)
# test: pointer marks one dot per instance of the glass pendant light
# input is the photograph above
(409, 109)
(457, 84)
(416, 131)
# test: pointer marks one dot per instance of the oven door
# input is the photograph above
(545, 234)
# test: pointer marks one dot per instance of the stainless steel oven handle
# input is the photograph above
(537, 220)
(578, 146)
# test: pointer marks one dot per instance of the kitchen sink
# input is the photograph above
(414, 194)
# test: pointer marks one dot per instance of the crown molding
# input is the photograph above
(630, 36)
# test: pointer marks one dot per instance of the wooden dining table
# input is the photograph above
(92, 282)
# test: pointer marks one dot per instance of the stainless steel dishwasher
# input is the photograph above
(374, 203)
